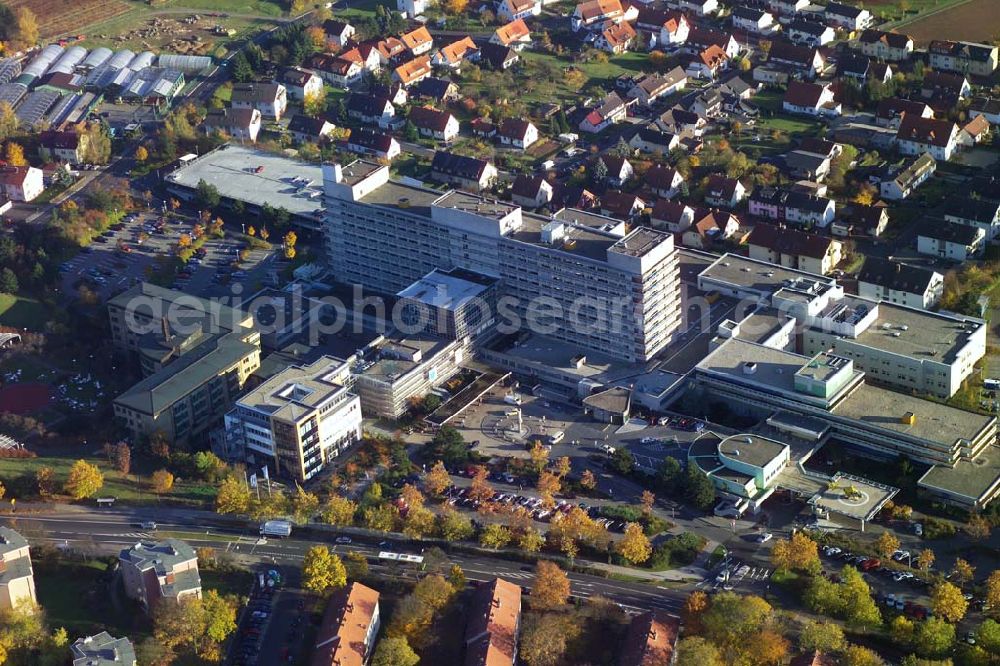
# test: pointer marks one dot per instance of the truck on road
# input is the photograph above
(276, 528)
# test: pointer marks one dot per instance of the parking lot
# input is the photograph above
(127, 253)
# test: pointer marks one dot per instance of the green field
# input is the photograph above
(20, 473)
(251, 7)
(22, 312)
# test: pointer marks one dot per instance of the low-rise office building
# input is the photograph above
(17, 580)
(298, 420)
(153, 571)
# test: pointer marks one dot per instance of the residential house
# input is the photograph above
(848, 17)
(391, 50)
(617, 38)
(787, 7)
(268, 98)
(696, 7)
(859, 219)
(337, 71)
(597, 12)
(338, 33)
(305, 128)
(413, 71)
(854, 66)
(452, 55)
(494, 622)
(808, 165)
(684, 123)
(974, 131)
(804, 59)
(498, 57)
(240, 124)
(792, 206)
(944, 84)
(813, 99)
(102, 649)
(300, 83)
(514, 10)
(757, 21)
(795, 249)
(673, 216)
(611, 110)
(20, 183)
(889, 112)
(517, 133)
(411, 8)
(917, 136)
(468, 173)
(17, 578)
(651, 640)
(531, 191)
(812, 144)
(964, 57)
(708, 63)
(439, 91)
(987, 107)
(619, 169)
(432, 123)
(63, 146)
(153, 571)
(621, 205)
(346, 636)
(699, 39)
(809, 33)
(649, 140)
(483, 128)
(515, 35)
(981, 213)
(881, 72)
(664, 181)
(912, 286)
(371, 109)
(656, 86)
(709, 227)
(903, 181)
(418, 41)
(891, 46)
(671, 28)
(724, 192)
(371, 142)
(394, 92)
(735, 86)
(950, 240)
(366, 55)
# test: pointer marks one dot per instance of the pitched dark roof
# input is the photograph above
(966, 50)
(854, 64)
(370, 139)
(790, 241)
(433, 88)
(306, 125)
(950, 232)
(966, 208)
(428, 118)
(800, 93)
(785, 51)
(891, 39)
(843, 10)
(369, 105)
(660, 177)
(497, 54)
(459, 166)
(791, 199)
(514, 128)
(896, 276)
(809, 27)
(925, 130)
(721, 187)
(527, 186)
(895, 106)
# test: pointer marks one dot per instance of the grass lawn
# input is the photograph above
(362, 8)
(115, 485)
(255, 7)
(22, 312)
(236, 581)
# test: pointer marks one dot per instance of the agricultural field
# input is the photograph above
(60, 17)
(975, 21)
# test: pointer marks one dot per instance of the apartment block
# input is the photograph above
(17, 581)
(965, 57)
(622, 288)
(102, 649)
(297, 421)
(491, 636)
(351, 622)
(160, 570)
(196, 356)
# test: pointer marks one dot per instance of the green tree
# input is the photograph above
(394, 651)
(947, 602)
(622, 461)
(8, 282)
(233, 497)
(858, 655)
(934, 637)
(8, 121)
(494, 536)
(304, 504)
(696, 651)
(988, 636)
(84, 480)
(698, 488)
(220, 615)
(823, 636)
(339, 511)
(858, 606)
(207, 195)
(322, 570)
(454, 526)
(381, 518)
(732, 620)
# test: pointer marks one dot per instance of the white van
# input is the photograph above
(991, 384)
(556, 437)
(512, 399)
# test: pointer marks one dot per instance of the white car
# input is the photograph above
(648, 440)
(765, 537)
(343, 539)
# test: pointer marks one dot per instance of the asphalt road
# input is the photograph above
(108, 531)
